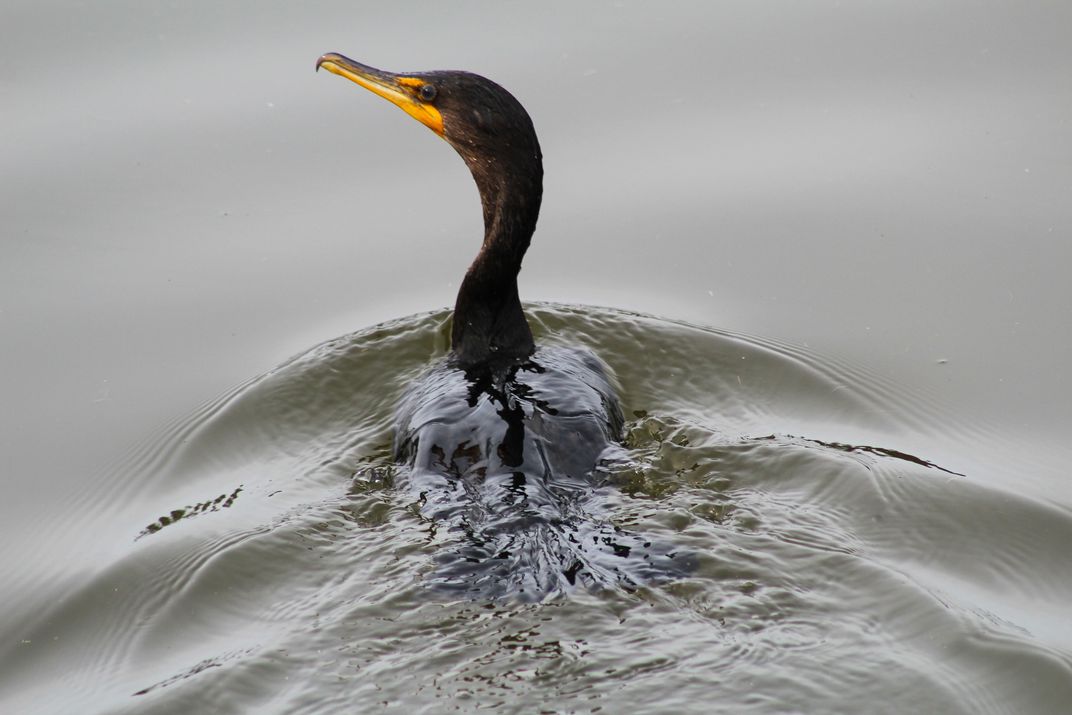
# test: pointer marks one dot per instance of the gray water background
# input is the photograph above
(185, 205)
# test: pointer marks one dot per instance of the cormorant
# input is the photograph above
(503, 440)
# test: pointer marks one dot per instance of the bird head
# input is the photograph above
(480, 119)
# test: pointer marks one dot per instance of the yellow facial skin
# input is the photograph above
(399, 90)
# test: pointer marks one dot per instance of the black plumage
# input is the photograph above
(506, 444)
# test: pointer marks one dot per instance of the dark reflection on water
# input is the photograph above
(223, 501)
(826, 577)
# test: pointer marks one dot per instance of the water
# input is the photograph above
(267, 564)
(875, 490)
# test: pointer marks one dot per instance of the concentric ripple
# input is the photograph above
(842, 561)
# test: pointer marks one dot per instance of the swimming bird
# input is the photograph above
(505, 443)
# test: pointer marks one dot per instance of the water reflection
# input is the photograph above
(820, 575)
(223, 501)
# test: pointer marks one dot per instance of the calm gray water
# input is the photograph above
(852, 222)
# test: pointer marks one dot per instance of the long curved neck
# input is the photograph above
(488, 321)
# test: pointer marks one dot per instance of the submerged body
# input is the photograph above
(507, 459)
(504, 442)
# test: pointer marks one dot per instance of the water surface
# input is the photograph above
(871, 203)
(271, 561)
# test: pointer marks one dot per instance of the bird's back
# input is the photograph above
(508, 460)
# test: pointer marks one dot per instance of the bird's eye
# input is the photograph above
(427, 92)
